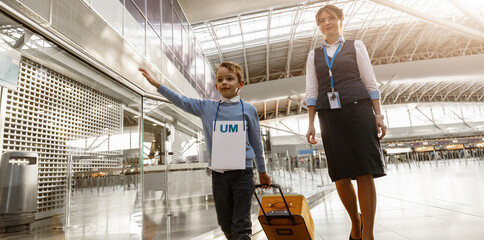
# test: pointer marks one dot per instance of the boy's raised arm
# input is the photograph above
(148, 77)
(190, 105)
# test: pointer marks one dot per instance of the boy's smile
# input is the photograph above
(228, 84)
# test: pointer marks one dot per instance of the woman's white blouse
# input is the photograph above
(364, 66)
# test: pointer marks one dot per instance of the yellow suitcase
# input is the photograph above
(285, 217)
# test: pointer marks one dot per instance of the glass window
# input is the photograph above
(167, 23)
(184, 21)
(203, 33)
(111, 11)
(200, 91)
(193, 83)
(209, 84)
(186, 75)
(177, 8)
(178, 65)
(215, 94)
(84, 128)
(140, 4)
(200, 70)
(177, 35)
(167, 51)
(134, 30)
(173, 164)
(154, 14)
(192, 57)
(185, 50)
(153, 48)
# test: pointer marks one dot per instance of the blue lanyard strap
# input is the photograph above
(330, 65)
(216, 115)
(243, 115)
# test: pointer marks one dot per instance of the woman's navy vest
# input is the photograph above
(346, 76)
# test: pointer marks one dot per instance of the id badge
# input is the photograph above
(334, 102)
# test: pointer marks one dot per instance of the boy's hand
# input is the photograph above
(149, 78)
(264, 178)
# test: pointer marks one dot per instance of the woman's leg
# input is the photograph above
(367, 199)
(347, 194)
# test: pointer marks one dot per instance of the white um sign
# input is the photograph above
(228, 145)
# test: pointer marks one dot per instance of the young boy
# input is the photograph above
(232, 135)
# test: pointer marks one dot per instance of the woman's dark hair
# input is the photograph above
(331, 9)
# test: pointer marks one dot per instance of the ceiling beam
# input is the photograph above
(428, 89)
(314, 39)
(288, 107)
(430, 119)
(215, 40)
(401, 38)
(465, 89)
(451, 90)
(288, 128)
(379, 39)
(277, 108)
(245, 51)
(418, 87)
(300, 103)
(295, 23)
(265, 110)
(268, 44)
(468, 12)
(437, 91)
(475, 91)
(461, 117)
(236, 53)
(404, 90)
(22, 40)
(437, 21)
(362, 29)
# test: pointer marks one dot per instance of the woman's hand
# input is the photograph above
(380, 127)
(311, 135)
(148, 77)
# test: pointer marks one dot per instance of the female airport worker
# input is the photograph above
(342, 89)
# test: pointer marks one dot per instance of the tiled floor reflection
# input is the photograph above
(195, 218)
(116, 213)
(109, 214)
(426, 202)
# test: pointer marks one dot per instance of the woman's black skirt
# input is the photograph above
(351, 141)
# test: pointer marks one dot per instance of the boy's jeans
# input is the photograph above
(232, 194)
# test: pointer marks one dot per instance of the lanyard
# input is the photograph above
(330, 65)
(216, 114)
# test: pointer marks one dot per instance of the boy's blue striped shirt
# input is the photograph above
(206, 110)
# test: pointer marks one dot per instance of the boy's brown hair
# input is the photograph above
(233, 67)
(331, 9)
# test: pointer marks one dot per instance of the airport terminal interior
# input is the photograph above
(90, 150)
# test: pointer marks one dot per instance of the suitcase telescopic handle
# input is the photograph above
(283, 198)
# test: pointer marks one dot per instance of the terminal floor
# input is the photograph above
(116, 213)
(426, 202)
(419, 202)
